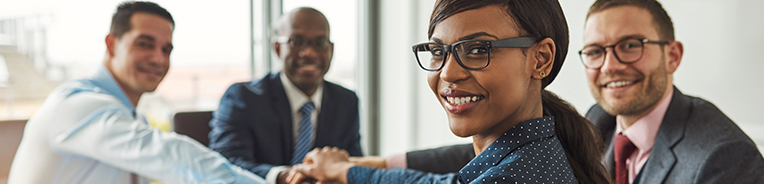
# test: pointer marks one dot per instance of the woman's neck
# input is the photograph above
(482, 140)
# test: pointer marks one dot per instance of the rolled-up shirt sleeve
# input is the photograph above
(106, 131)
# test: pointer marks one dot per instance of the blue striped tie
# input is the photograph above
(304, 134)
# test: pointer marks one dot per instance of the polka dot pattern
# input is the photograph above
(527, 153)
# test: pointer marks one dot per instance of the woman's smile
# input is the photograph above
(458, 102)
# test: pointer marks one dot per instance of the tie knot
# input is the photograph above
(623, 147)
(307, 108)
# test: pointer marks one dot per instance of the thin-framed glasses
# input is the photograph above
(298, 43)
(470, 54)
(625, 51)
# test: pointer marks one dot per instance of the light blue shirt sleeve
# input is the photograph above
(104, 130)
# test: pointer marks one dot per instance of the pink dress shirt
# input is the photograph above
(397, 160)
(642, 133)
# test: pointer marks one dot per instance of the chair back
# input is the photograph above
(194, 124)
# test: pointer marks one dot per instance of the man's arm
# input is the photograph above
(107, 132)
(332, 165)
(446, 159)
(230, 137)
(360, 174)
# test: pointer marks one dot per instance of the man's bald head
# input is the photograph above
(302, 18)
(304, 46)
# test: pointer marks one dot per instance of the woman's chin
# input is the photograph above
(460, 129)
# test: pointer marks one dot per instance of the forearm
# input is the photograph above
(365, 175)
(113, 136)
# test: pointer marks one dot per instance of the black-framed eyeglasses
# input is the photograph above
(470, 54)
(297, 42)
(625, 51)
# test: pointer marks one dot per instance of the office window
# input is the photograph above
(45, 43)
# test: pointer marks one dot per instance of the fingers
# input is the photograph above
(303, 169)
(299, 178)
(292, 177)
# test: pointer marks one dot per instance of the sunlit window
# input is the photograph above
(44, 43)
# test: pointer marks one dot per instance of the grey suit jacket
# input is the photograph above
(696, 143)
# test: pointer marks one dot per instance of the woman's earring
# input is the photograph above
(542, 74)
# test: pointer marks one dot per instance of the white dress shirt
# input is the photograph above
(87, 131)
(297, 99)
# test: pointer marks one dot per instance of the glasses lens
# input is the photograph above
(296, 42)
(473, 54)
(430, 56)
(592, 56)
(629, 50)
(320, 44)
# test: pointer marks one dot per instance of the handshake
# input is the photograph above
(326, 165)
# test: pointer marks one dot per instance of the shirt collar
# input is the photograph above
(642, 133)
(297, 98)
(522, 133)
(103, 79)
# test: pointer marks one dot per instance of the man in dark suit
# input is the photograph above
(268, 125)
(655, 133)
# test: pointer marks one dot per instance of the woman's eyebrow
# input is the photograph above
(468, 37)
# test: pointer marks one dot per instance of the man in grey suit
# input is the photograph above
(655, 133)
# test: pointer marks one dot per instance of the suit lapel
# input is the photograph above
(325, 115)
(609, 159)
(283, 112)
(662, 157)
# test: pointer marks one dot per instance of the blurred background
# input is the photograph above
(217, 43)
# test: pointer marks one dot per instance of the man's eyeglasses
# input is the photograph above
(470, 54)
(625, 51)
(297, 43)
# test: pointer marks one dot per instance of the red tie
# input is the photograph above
(623, 148)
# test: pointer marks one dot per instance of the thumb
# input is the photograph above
(304, 169)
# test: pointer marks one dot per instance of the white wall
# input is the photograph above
(722, 40)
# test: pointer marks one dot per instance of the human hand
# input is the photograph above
(327, 165)
(293, 177)
(370, 161)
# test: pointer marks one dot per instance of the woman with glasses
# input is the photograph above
(488, 63)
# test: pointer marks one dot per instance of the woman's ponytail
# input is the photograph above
(579, 138)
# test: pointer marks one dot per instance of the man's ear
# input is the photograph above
(111, 42)
(543, 55)
(675, 52)
(277, 48)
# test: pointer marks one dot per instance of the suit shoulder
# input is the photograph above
(255, 87)
(707, 114)
(710, 126)
(339, 90)
(594, 110)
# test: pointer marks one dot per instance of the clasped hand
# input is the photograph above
(322, 165)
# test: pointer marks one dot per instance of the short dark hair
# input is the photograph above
(120, 21)
(662, 21)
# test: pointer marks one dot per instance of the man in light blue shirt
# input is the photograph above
(87, 131)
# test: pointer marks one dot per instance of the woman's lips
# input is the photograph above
(457, 102)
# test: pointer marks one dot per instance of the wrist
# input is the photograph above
(345, 168)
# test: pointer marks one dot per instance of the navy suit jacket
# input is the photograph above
(696, 143)
(253, 124)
